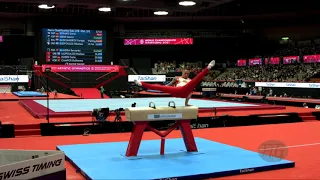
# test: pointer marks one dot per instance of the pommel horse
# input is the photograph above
(141, 116)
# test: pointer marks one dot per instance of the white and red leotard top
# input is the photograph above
(182, 81)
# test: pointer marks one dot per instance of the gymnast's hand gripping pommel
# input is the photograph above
(183, 91)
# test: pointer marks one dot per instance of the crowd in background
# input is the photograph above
(193, 67)
(212, 75)
(299, 49)
(297, 72)
(166, 67)
(239, 77)
(269, 73)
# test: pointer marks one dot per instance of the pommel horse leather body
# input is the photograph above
(141, 116)
(161, 113)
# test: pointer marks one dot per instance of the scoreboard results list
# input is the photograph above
(73, 46)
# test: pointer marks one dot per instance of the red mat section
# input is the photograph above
(38, 111)
(88, 93)
(303, 140)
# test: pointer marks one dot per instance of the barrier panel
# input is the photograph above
(14, 78)
(287, 85)
(31, 164)
(5, 88)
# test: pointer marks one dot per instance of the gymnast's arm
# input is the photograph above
(173, 82)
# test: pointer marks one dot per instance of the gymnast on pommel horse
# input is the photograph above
(180, 87)
(141, 116)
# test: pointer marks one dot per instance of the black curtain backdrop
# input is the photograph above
(16, 47)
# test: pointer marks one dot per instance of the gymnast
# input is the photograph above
(180, 87)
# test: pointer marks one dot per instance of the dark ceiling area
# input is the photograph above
(170, 5)
(131, 10)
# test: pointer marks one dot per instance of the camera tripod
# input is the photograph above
(118, 120)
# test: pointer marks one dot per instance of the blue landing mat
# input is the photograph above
(107, 160)
(29, 94)
(78, 105)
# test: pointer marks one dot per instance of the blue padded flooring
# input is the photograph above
(29, 94)
(78, 105)
(107, 160)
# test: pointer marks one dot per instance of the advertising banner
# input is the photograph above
(81, 68)
(158, 41)
(288, 85)
(14, 78)
(22, 164)
(147, 78)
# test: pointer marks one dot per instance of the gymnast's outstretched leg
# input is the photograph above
(183, 91)
(165, 89)
(188, 88)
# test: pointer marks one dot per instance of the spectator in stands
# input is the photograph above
(250, 91)
(102, 92)
(270, 92)
(305, 105)
(42, 90)
(55, 94)
(253, 91)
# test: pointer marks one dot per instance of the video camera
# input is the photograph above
(101, 114)
(118, 111)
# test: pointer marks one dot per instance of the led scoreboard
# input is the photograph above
(73, 46)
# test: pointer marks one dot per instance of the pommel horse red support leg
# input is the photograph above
(139, 128)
